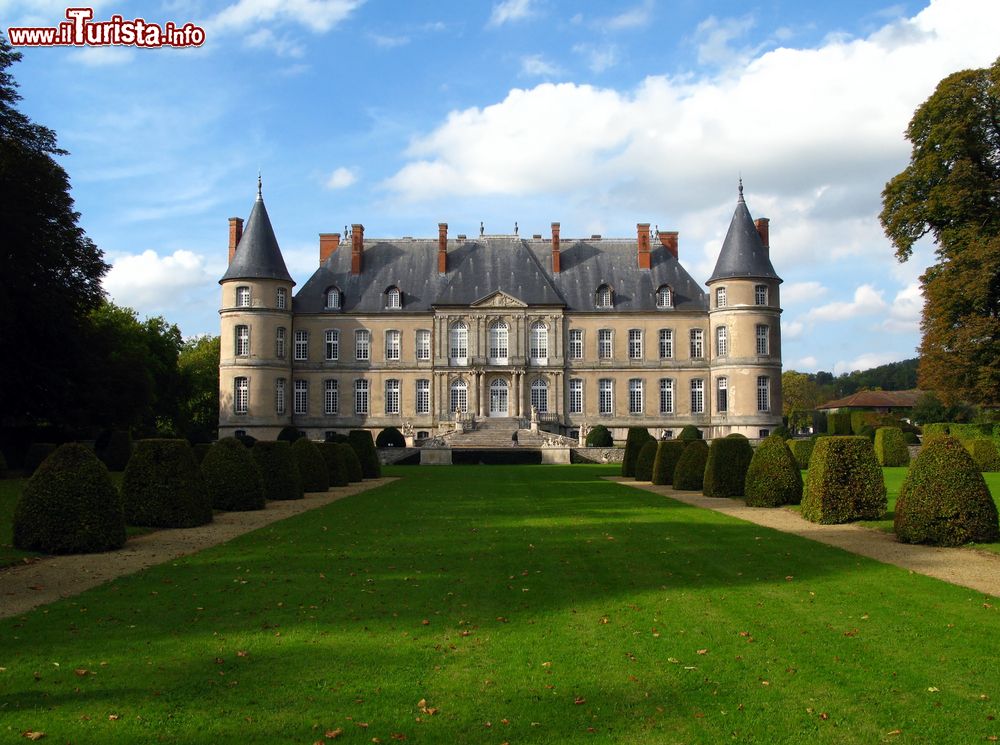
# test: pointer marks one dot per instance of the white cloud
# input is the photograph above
(904, 314)
(284, 45)
(148, 282)
(104, 56)
(807, 364)
(536, 65)
(714, 38)
(801, 292)
(389, 42)
(867, 301)
(599, 57)
(511, 10)
(341, 178)
(792, 329)
(864, 362)
(631, 18)
(316, 15)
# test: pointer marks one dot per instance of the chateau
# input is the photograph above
(427, 335)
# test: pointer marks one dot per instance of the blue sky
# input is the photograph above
(400, 115)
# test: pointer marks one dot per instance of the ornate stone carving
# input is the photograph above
(499, 299)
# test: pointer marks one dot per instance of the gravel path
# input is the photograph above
(977, 570)
(26, 586)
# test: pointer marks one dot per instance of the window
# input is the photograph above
(635, 396)
(697, 396)
(760, 294)
(393, 298)
(604, 346)
(763, 393)
(241, 395)
(539, 348)
(458, 343)
(498, 341)
(762, 339)
(666, 396)
(762, 433)
(576, 344)
(242, 297)
(242, 341)
(362, 344)
(459, 396)
(666, 344)
(423, 397)
(301, 397)
(333, 344)
(540, 395)
(664, 297)
(697, 344)
(301, 345)
(423, 345)
(279, 396)
(361, 396)
(721, 341)
(392, 345)
(575, 396)
(392, 396)
(333, 299)
(605, 298)
(720, 297)
(605, 396)
(279, 342)
(635, 344)
(331, 397)
(722, 395)
(282, 298)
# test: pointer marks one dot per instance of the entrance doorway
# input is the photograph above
(499, 390)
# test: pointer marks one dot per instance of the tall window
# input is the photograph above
(539, 348)
(540, 395)
(498, 341)
(279, 342)
(392, 396)
(760, 294)
(281, 300)
(459, 396)
(423, 344)
(762, 339)
(666, 396)
(604, 346)
(362, 344)
(423, 397)
(635, 344)
(576, 344)
(332, 344)
(763, 393)
(301, 345)
(242, 297)
(301, 397)
(721, 341)
(575, 396)
(331, 397)
(720, 297)
(722, 395)
(361, 396)
(697, 396)
(697, 344)
(666, 344)
(605, 298)
(635, 396)
(393, 298)
(279, 396)
(242, 341)
(392, 345)
(333, 299)
(241, 395)
(458, 343)
(606, 396)
(664, 297)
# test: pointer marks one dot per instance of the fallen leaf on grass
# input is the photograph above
(933, 689)
(702, 651)
(113, 717)
(895, 732)
(33, 735)
(242, 653)
(579, 700)
(333, 734)
(824, 716)
(81, 671)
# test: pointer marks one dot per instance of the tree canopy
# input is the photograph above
(951, 191)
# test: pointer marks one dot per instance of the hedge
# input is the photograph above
(931, 430)
(984, 454)
(964, 432)
(200, 450)
(390, 437)
(312, 467)
(689, 432)
(114, 448)
(890, 447)
(232, 477)
(838, 423)
(599, 437)
(844, 482)
(278, 468)
(689, 474)
(350, 458)
(290, 434)
(944, 499)
(668, 452)
(637, 437)
(774, 477)
(802, 451)
(163, 487)
(644, 463)
(363, 444)
(36, 455)
(3, 466)
(69, 506)
(726, 467)
(782, 431)
(336, 466)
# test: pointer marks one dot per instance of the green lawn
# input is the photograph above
(520, 604)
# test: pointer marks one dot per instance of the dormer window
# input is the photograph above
(333, 299)
(664, 297)
(605, 297)
(393, 298)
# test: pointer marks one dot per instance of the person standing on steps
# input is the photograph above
(513, 438)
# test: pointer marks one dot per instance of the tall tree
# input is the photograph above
(951, 190)
(198, 418)
(51, 270)
(799, 396)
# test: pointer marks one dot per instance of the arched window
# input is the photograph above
(605, 297)
(498, 342)
(540, 395)
(333, 299)
(393, 298)
(459, 396)
(664, 297)
(539, 343)
(458, 343)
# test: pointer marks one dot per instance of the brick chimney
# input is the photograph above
(763, 230)
(442, 248)
(642, 230)
(357, 247)
(235, 233)
(669, 240)
(555, 248)
(328, 243)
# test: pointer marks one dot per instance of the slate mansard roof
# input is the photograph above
(257, 254)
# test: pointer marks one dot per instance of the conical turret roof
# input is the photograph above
(257, 254)
(743, 254)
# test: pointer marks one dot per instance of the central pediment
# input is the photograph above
(499, 299)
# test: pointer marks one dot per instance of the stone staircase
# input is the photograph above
(495, 433)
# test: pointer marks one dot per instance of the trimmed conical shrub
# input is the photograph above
(232, 477)
(774, 477)
(351, 461)
(890, 447)
(390, 437)
(114, 448)
(802, 452)
(336, 467)
(984, 453)
(844, 482)
(364, 446)
(944, 499)
(726, 467)
(644, 463)
(290, 434)
(689, 475)
(278, 469)
(668, 452)
(312, 467)
(637, 437)
(69, 506)
(599, 437)
(689, 432)
(163, 487)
